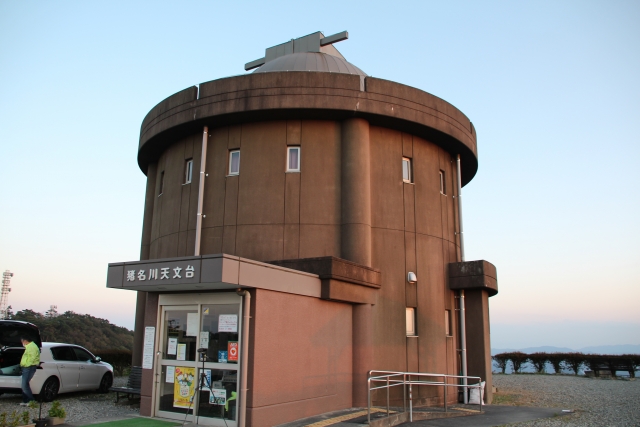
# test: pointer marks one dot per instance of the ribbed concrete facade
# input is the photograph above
(348, 201)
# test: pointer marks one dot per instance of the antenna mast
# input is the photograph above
(4, 297)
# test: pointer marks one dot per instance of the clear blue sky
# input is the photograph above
(552, 87)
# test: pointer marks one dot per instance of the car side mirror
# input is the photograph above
(97, 360)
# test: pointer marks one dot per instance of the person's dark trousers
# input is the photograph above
(27, 374)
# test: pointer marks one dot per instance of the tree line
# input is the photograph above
(569, 361)
(111, 342)
(93, 333)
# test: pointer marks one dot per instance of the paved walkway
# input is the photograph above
(493, 415)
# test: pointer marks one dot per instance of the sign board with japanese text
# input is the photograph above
(145, 274)
(181, 273)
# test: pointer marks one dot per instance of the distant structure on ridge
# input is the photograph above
(4, 293)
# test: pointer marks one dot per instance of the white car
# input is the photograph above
(63, 368)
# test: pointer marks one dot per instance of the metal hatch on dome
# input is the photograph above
(313, 43)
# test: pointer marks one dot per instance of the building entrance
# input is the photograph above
(199, 333)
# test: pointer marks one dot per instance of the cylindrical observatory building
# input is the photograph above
(302, 228)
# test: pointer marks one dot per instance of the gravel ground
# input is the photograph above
(81, 407)
(596, 402)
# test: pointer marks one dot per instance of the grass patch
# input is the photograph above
(507, 399)
(138, 422)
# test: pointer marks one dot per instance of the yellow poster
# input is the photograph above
(184, 385)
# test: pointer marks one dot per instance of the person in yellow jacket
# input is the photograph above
(29, 363)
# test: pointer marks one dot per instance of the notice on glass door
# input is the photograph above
(204, 339)
(182, 352)
(228, 323)
(147, 353)
(172, 346)
(171, 372)
(192, 325)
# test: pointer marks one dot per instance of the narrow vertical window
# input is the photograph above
(447, 322)
(406, 170)
(411, 321)
(234, 162)
(161, 186)
(443, 188)
(293, 159)
(188, 171)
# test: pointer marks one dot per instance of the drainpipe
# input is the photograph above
(244, 355)
(203, 164)
(463, 333)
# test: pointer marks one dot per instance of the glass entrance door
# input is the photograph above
(197, 339)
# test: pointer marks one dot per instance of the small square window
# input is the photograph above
(161, 185)
(411, 321)
(406, 170)
(293, 159)
(234, 162)
(443, 187)
(188, 171)
(447, 322)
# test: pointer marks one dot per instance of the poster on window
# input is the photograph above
(183, 386)
(228, 323)
(182, 352)
(233, 351)
(218, 396)
(204, 339)
(147, 352)
(206, 384)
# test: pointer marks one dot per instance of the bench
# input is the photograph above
(603, 370)
(134, 384)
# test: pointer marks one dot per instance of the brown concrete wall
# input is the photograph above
(479, 338)
(174, 212)
(267, 214)
(146, 389)
(304, 95)
(299, 367)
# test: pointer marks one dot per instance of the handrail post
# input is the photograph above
(404, 392)
(410, 401)
(445, 394)
(387, 396)
(369, 399)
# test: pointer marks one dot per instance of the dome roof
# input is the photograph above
(310, 61)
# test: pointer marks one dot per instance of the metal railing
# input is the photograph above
(408, 379)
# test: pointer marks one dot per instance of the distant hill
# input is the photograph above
(544, 348)
(97, 335)
(612, 349)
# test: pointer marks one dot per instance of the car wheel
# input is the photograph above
(50, 389)
(105, 383)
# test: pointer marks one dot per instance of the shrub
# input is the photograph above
(501, 361)
(518, 360)
(556, 359)
(574, 361)
(119, 359)
(539, 361)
